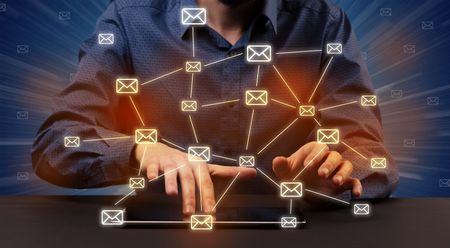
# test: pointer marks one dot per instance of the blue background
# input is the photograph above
(29, 80)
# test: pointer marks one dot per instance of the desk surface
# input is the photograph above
(34, 221)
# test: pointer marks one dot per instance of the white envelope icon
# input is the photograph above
(291, 189)
(288, 222)
(334, 48)
(105, 39)
(259, 53)
(193, 16)
(146, 136)
(201, 222)
(368, 100)
(127, 86)
(247, 161)
(256, 97)
(137, 183)
(72, 141)
(361, 209)
(328, 136)
(378, 163)
(189, 106)
(199, 153)
(193, 66)
(112, 217)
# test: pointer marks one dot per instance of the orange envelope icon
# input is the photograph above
(127, 86)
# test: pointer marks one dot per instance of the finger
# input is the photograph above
(187, 181)
(206, 187)
(231, 171)
(281, 167)
(333, 160)
(316, 154)
(344, 172)
(152, 170)
(354, 185)
(170, 176)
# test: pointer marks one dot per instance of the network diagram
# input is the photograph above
(257, 54)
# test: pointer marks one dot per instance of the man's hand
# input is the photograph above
(160, 158)
(326, 170)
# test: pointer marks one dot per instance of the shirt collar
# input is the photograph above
(270, 11)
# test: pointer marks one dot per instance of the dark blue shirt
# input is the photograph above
(150, 42)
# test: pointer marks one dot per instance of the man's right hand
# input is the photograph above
(160, 158)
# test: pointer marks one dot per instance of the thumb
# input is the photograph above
(231, 171)
(280, 165)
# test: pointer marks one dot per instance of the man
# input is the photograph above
(150, 44)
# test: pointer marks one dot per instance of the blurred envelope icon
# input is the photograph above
(72, 141)
(193, 16)
(199, 154)
(361, 209)
(368, 100)
(396, 93)
(189, 106)
(105, 39)
(137, 183)
(201, 222)
(127, 86)
(259, 53)
(427, 25)
(291, 189)
(378, 163)
(409, 49)
(328, 136)
(288, 222)
(444, 183)
(193, 66)
(386, 12)
(247, 161)
(146, 136)
(334, 48)
(112, 217)
(64, 15)
(23, 49)
(256, 97)
(307, 110)
(433, 100)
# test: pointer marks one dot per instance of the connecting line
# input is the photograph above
(337, 106)
(110, 138)
(249, 129)
(193, 41)
(351, 148)
(309, 163)
(221, 60)
(123, 198)
(167, 172)
(226, 190)
(192, 85)
(290, 206)
(200, 189)
(156, 222)
(284, 81)
(162, 76)
(173, 144)
(283, 103)
(254, 222)
(320, 79)
(278, 135)
(219, 103)
(193, 128)
(257, 76)
(142, 160)
(137, 111)
(318, 123)
(298, 52)
(327, 196)
(262, 172)
(222, 157)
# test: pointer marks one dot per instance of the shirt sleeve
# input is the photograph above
(360, 127)
(89, 108)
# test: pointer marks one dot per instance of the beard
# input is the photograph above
(236, 3)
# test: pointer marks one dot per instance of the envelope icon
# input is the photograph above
(127, 86)
(22, 115)
(306, 110)
(201, 222)
(291, 189)
(199, 153)
(64, 15)
(256, 97)
(386, 12)
(396, 93)
(444, 183)
(368, 100)
(193, 66)
(409, 49)
(146, 136)
(334, 48)
(72, 141)
(288, 222)
(22, 176)
(2, 7)
(112, 217)
(409, 142)
(361, 209)
(137, 183)
(22, 49)
(105, 39)
(189, 106)
(193, 16)
(427, 25)
(247, 161)
(328, 136)
(433, 100)
(259, 53)
(378, 163)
